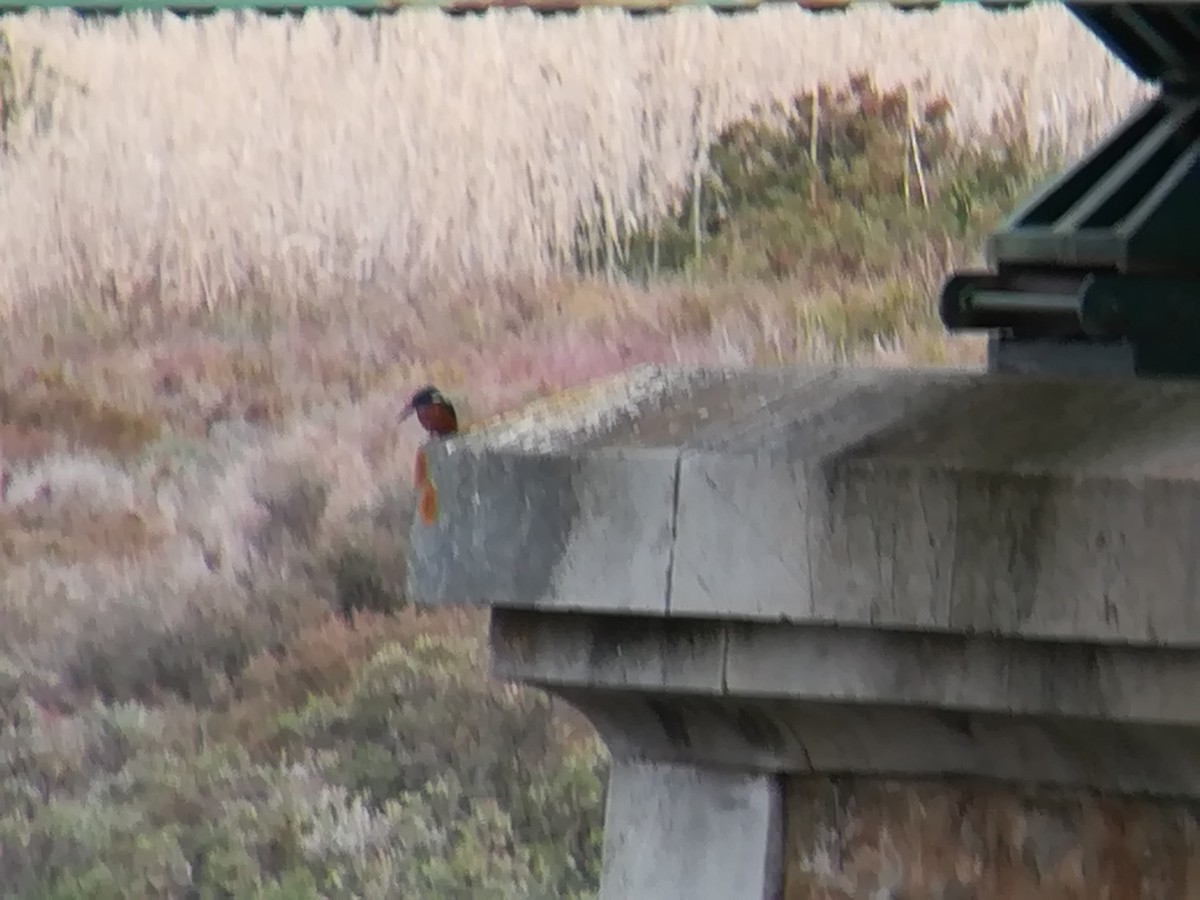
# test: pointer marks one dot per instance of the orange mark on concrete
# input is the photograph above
(426, 492)
(427, 503)
(421, 469)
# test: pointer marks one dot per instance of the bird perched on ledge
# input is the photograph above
(438, 417)
(435, 413)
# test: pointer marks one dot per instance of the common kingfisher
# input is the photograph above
(435, 413)
(437, 416)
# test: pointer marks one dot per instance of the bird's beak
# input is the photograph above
(407, 411)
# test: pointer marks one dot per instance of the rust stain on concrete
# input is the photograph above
(420, 468)
(427, 506)
(427, 503)
(876, 839)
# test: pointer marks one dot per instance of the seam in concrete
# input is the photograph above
(674, 531)
(806, 757)
(952, 578)
(725, 658)
(802, 481)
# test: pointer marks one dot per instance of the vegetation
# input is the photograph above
(368, 758)
(155, 195)
(844, 184)
(211, 681)
(853, 193)
(29, 89)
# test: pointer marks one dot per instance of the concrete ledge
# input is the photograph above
(827, 738)
(594, 529)
(1044, 508)
(785, 697)
(964, 673)
(844, 580)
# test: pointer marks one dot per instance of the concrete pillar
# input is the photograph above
(683, 832)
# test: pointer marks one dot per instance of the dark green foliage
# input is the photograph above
(359, 586)
(8, 90)
(424, 718)
(424, 780)
(878, 184)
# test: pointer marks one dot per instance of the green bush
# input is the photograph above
(841, 184)
(424, 720)
(424, 781)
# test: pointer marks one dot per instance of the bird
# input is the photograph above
(438, 417)
(435, 413)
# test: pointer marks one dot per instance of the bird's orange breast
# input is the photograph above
(438, 418)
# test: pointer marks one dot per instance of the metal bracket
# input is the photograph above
(1142, 325)
(1099, 272)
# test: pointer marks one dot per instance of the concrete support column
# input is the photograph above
(683, 832)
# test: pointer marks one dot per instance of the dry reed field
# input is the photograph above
(357, 206)
(190, 163)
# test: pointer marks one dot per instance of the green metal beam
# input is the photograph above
(1159, 41)
(1125, 206)
(1159, 22)
(1119, 230)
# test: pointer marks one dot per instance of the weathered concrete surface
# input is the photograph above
(1041, 508)
(785, 661)
(685, 833)
(545, 509)
(798, 736)
(852, 838)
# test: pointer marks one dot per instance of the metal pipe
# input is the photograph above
(1022, 302)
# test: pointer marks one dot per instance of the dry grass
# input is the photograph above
(337, 163)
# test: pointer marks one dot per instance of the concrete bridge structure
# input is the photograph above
(854, 633)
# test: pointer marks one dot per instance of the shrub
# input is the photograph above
(51, 403)
(367, 564)
(415, 777)
(853, 183)
(423, 717)
(131, 655)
